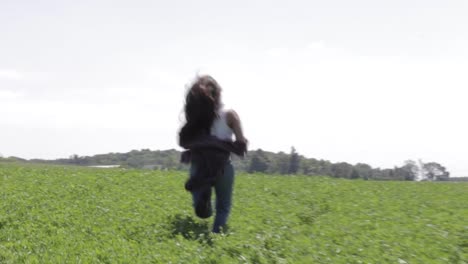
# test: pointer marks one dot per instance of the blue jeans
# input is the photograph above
(223, 189)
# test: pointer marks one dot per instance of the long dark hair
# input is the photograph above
(201, 104)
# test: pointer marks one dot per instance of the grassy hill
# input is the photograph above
(65, 214)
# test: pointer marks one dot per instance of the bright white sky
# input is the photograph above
(357, 81)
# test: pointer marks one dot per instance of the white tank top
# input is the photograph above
(220, 128)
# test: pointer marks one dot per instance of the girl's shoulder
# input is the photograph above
(231, 116)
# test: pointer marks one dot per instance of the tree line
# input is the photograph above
(293, 163)
(260, 161)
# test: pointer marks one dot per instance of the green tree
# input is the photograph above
(354, 174)
(259, 162)
(409, 170)
(434, 171)
(324, 167)
(135, 162)
(364, 170)
(342, 170)
(309, 167)
(294, 161)
(280, 163)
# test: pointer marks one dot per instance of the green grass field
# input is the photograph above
(54, 214)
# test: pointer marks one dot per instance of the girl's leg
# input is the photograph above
(201, 198)
(223, 189)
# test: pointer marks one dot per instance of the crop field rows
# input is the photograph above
(61, 214)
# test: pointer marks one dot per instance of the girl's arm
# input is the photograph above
(234, 123)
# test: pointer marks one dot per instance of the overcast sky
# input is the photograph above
(357, 81)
